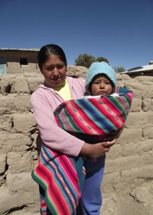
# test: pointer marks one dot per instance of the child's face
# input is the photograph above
(101, 85)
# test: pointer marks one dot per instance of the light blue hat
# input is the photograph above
(100, 68)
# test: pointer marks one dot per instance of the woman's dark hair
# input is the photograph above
(47, 50)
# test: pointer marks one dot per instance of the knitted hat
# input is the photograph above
(97, 68)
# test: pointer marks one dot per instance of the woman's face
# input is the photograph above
(54, 71)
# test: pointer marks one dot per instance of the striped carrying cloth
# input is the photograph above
(92, 119)
(95, 118)
(56, 174)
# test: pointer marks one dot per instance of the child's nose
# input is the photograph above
(102, 85)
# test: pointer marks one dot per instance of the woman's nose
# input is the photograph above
(55, 72)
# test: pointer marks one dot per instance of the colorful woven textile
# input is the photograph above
(92, 119)
(56, 174)
(95, 118)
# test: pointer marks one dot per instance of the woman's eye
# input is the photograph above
(50, 68)
(57, 66)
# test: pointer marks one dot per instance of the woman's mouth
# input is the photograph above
(56, 78)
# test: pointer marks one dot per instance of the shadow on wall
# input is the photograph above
(38, 143)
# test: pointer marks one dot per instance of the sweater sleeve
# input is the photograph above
(51, 134)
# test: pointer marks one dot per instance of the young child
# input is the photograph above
(100, 80)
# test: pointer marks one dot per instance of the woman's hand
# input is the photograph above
(96, 150)
(109, 144)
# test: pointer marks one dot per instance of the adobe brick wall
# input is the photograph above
(12, 58)
(128, 181)
(15, 67)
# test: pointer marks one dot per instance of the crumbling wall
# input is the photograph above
(128, 181)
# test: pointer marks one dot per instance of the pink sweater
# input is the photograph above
(44, 101)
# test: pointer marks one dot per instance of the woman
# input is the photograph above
(58, 198)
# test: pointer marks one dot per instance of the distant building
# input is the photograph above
(18, 60)
(146, 70)
(14, 61)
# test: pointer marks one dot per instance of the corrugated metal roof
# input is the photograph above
(144, 68)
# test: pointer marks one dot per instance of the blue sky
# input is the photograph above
(119, 30)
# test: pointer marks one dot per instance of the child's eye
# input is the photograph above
(97, 82)
(107, 82)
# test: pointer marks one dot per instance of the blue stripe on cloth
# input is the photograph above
(61, 172)
(67, 119)
(97, 117)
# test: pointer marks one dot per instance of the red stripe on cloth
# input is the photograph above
(67, 166)
(70, 171)
(70, 188)
(109, 107)
(72, 177)
(55, 197)
(83, 117)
